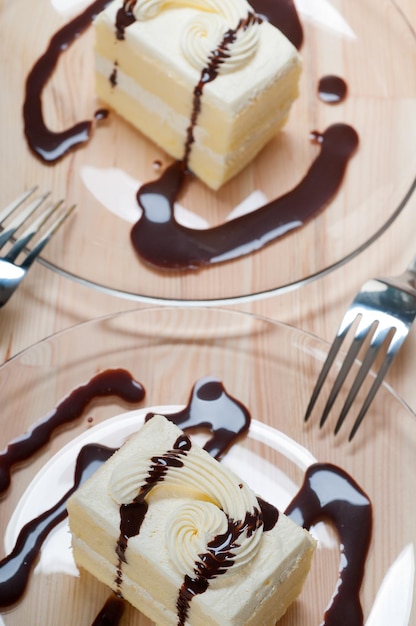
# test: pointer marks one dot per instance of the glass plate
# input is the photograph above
(268, 366)
(366, 42)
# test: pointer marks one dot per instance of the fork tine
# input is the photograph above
(21, 218)
(324, 373)
(392, 350)
(378, 339)
(30, 232)
(333, 351)
(34, 253)
(360, 336)
(8, 210)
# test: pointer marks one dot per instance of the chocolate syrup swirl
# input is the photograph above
(211, 407)
(163, 242)
(330, 493)
(327, 493)
(46, 144)
(112, 382)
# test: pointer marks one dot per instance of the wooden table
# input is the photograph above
(47, 302)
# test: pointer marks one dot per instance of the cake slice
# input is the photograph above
(209, 82)
(184, 540)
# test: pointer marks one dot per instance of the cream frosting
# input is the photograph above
(219, 498)
(204, 31)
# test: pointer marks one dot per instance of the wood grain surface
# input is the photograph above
(47, 302)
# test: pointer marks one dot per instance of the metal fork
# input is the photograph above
(384, 309)
(11, 271)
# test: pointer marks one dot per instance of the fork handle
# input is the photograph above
(412, 266)
(407, 280)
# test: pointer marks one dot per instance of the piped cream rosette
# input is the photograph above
(205, 31)
(214, 497)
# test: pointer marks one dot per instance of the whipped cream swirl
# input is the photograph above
(204, 33)
(216, 500)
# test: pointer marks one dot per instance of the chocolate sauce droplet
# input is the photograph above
(101, 114)
(332, 89)
(113, 75)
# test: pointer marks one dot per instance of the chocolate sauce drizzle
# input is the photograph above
(46, 144)
(163, 242)
(214, 562)
(327, 492)
(124, 18)
(112, 382)
(210, 73)
(132, 515)
(15, 568)
(113, 75)
(211, 407)
(330, 493)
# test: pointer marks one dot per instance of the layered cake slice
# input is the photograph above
(183, 539)
(210, 82)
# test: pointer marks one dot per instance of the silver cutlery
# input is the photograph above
(383, 312)
(16, 258)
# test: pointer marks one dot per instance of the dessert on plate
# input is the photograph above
(182, 538)
(210, 81)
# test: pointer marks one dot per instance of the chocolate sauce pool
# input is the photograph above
(157, 237)
(327, 493)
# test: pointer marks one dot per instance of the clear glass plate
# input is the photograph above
(366, 42)
(268, 366)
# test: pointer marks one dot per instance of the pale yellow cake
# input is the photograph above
(148, 74)
(198, 527)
